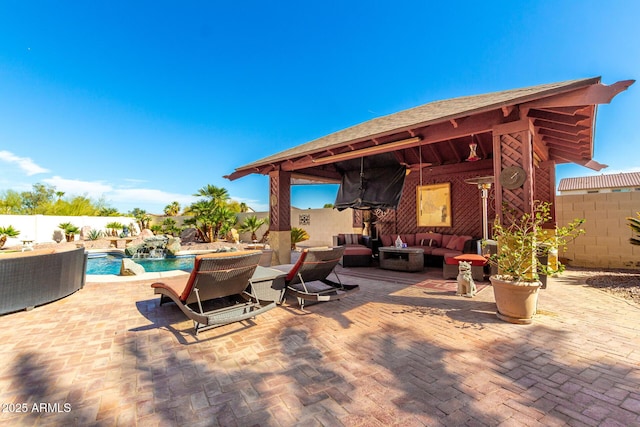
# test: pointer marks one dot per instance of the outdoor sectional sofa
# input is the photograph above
(357, 252)
(436, 246)
(32, 278)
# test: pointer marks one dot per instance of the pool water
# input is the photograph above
(110, 264)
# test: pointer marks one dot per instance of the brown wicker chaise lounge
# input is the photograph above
(307, 278)
(223, 288)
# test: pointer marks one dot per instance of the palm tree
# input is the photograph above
(202, 218)
(634, 224)
(143, 219)
(5, 232)
(172, 209)
(252, 224)
(218, 195)
(298, 235)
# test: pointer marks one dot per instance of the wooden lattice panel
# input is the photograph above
(466, 207)
(511, 146)
(513, 152)
(279, 201)
(357, 218)
(544, 189)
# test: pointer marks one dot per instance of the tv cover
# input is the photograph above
(373, 182)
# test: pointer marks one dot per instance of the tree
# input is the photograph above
(328, 205)
(251, 224)
(218, 195)
(34, 201)
(10, 203)
(172, 209)
(142, 218)
(213, 214)
(634, 224)
(298, 235)
(106, 211)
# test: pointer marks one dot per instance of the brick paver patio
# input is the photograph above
(392, 354)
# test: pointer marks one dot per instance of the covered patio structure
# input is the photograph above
(507, 143)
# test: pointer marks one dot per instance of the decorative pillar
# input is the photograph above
(513, 168)
(280, 216)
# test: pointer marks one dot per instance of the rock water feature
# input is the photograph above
(155, 247)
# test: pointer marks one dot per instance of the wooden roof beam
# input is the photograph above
(558, 118)
(562, 136)
(571, 130)
(590, 95)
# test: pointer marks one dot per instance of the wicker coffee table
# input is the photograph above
(401, 259)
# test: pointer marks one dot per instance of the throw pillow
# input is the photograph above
(453, 243)
(351, 239)
(429, 242)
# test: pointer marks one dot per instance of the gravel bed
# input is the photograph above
(622, 283)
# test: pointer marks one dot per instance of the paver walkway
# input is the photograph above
(392, 354)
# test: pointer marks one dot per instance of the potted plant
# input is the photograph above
(69, 230)
(6, 232)
(521, 242)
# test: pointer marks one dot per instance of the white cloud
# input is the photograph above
(77, 187)
(24, 163)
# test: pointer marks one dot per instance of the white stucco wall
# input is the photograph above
(40, 228)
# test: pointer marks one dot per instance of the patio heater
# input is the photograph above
(484, 185)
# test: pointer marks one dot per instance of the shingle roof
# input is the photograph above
(426, 114)
(619, 180)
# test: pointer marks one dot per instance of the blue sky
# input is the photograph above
(143, 103)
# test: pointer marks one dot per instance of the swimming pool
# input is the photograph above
(110, 264)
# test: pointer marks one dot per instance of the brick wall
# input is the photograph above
(606, 242)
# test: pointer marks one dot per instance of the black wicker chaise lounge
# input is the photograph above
(223, 288)
(307, 278)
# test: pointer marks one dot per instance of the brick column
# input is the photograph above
(280, 216)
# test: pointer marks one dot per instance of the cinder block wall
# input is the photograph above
(606, 242)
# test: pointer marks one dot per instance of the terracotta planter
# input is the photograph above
(515, 303)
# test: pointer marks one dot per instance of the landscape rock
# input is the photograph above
(84, 232)
(146, 233)
(130, 268)
(173, 245)
(189, 236)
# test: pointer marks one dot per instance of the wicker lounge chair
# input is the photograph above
(307, 278)
(224, 288)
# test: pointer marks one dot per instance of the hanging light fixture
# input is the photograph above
(473, 156)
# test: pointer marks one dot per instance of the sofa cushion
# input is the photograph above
(461, 241)
(386, 240)
(444, 251)
(340, 240)
(409, 239)
(356, 250)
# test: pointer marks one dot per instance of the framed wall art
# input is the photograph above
(434, 205)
